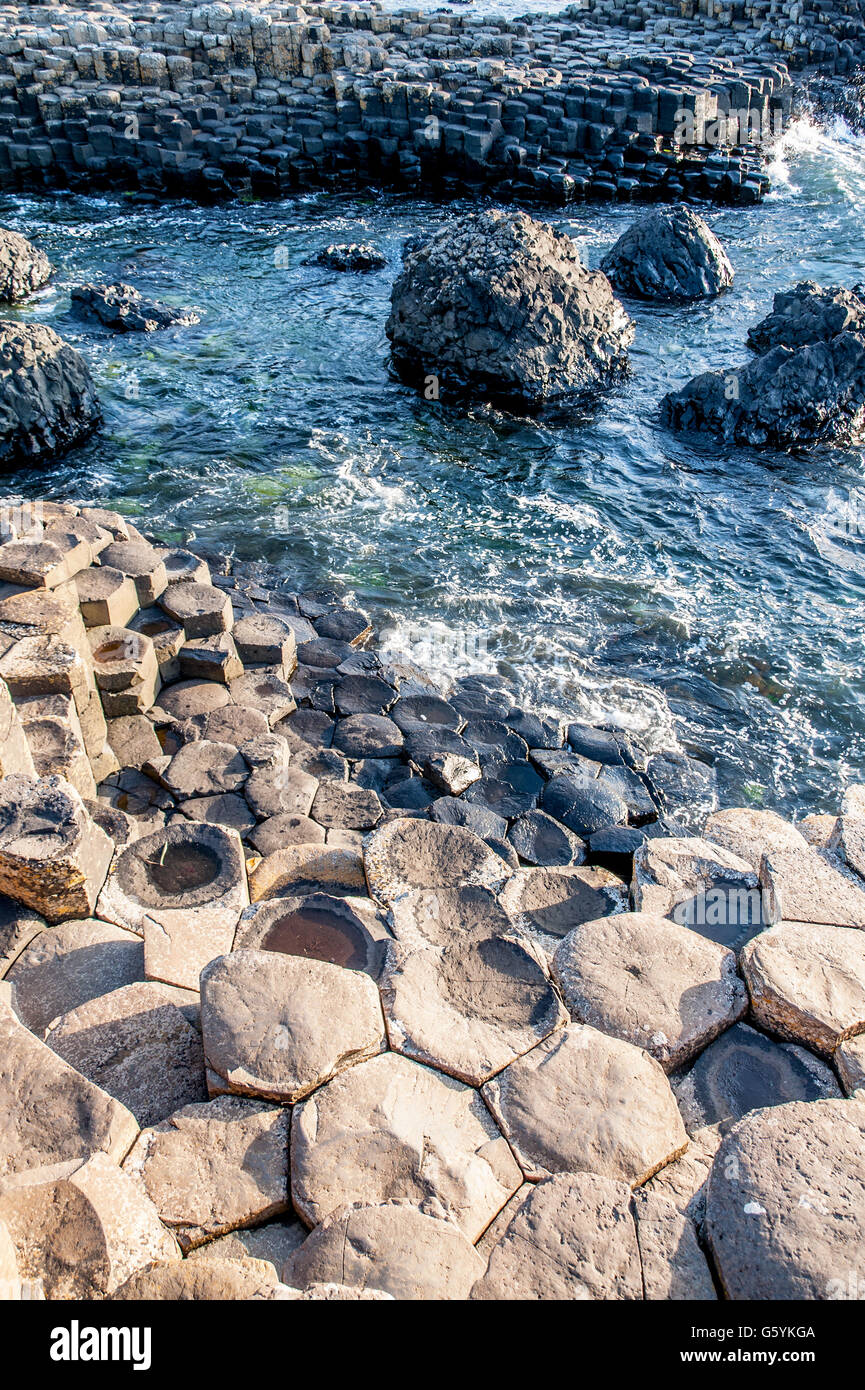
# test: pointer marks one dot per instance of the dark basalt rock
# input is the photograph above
(809, 314)
(358, 256)
(809, 394)
(23, 267)
(743, 1070)
(583, 806)
(670, 254)
(123, 308)
(47, 397)
(501, 305)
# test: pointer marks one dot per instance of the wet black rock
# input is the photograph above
(124, 309)
(454, 810)
(809, 313)
(540, 840)
(583, 806)
(48, 400)
(670, 254)
(501, 305)
(810, 394)
(677, 781)
(357, 256)
(23, 267)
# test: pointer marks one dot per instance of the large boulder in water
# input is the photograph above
(47, 398)
(809, 313)
(502, 305)
(670, 254)
(23, 268)
(790, 396)
(123, 308)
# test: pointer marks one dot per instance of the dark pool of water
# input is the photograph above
(183, 869)
(704, 597)
(318, 934)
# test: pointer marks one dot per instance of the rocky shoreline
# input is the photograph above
(450, 970)
(600, 101)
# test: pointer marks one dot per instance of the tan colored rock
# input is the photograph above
(650, 982)
(496, 1229)
(15, 756)
(819, 831)
(469, 1007)
(183, 890)
(126, 670)
(18, 927)
(302, 869)
(53, 857)
(199, 608)
(785, 1203)
(683, 1182)
(391, 1129)
(332, 1293)
(274, 1242)
(137, 1045)
(201, 1281)
(51, 1116)
(58, 751)
(847, 840)
(343, 931)
(265, 690)
(203, 768)
(395, 1248)
(674, 1267)
(211, 658)
(86, 1232)
(572, 1238)
(279, 1026)
(700, 885)
(73, 963)
(280, 791)
(265, 640)
(803, 886)
(213, 1167)
(807, 983)
(407, 854)
(445, 916)
(141, 563)
(107, 597)
(850, 1061)
(11, 1283)
(40, 563)
(749, 833)
(548, 903)
(133, 740)
(187, 699)
(585, 1102)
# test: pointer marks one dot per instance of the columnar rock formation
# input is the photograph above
(304, 996)
(600, 100)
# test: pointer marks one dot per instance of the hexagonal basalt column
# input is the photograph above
(106, 597)
(182, 889)
(391, 1129)
(278, 1026)
(53, 857)
(142, 564)
(199, 608)
(127, 672)
(317, 926)
(15, 755)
